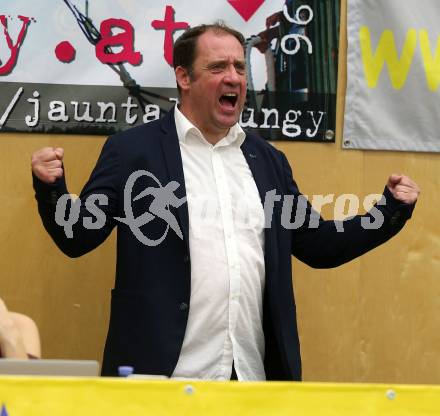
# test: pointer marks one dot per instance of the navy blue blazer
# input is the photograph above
(151, 297)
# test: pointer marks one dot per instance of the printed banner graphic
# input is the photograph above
(393, 75)
(98, 67)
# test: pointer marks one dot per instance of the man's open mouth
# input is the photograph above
(229, 99)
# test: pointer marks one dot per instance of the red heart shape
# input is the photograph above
(246, 8)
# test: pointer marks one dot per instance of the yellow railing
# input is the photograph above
(32, 396)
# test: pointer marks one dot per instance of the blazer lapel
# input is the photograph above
(173, 160)
(256, 161)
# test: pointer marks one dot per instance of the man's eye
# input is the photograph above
(217, 68)
(241, 69)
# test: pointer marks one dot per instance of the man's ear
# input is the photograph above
(182, 78)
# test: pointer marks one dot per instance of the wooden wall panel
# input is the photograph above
(68, 298)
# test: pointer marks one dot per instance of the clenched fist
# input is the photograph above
(403, 188)
(47, 164)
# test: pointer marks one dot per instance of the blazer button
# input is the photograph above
(186, 258)
(183, 306)
(53, 197)
(395, 219)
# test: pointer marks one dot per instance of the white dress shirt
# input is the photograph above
(226, 242)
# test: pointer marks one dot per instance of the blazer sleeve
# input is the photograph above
(325, 244)
(77, 226)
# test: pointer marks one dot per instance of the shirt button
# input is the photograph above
(183, 306)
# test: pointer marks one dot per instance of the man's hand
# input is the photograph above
(47, 164)
(403, 188)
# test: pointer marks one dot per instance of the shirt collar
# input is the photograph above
(235, 135)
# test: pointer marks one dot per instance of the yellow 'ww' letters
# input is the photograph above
(431, 64)
(386, 52)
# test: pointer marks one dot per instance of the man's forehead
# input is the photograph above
(219, 46)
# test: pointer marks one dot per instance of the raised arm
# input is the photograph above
(325, 244)
(77, 225)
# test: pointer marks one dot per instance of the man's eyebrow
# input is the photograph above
(224, 62)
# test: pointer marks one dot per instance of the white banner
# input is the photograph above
(101, 66)
(143, 27)
(393, 75)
